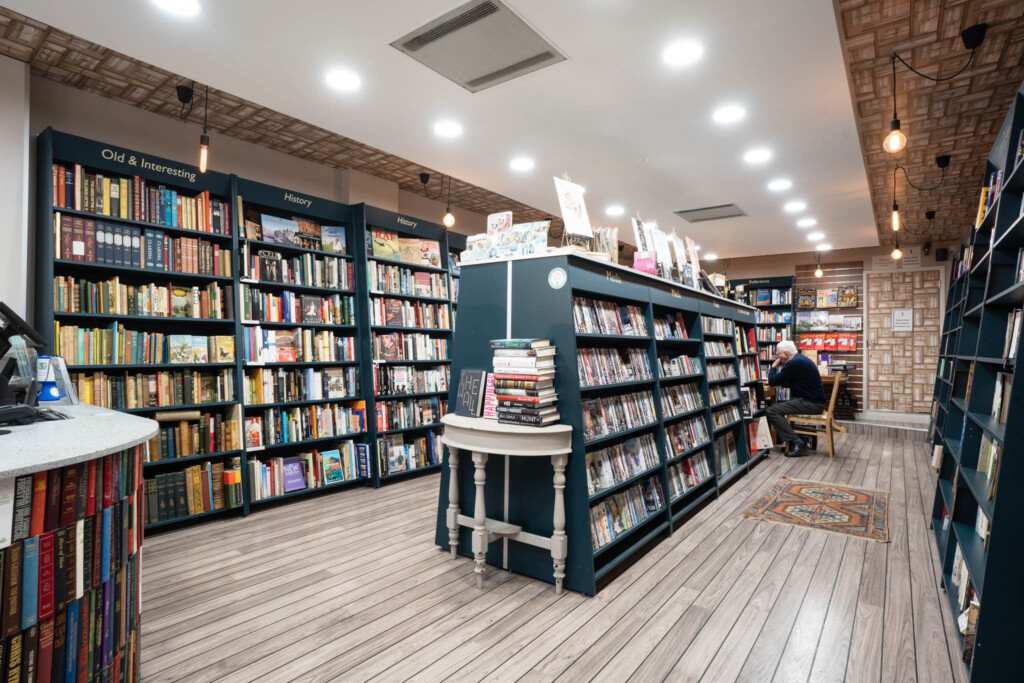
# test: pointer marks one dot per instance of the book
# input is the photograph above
(805, 298)
(282, 231)
(519, 343)
(294, 478)
(847, 296)
(384, 244)
(470, 395)
(332, 239)
(803, 321)
(7, 488)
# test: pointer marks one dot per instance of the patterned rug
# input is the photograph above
(863, 513)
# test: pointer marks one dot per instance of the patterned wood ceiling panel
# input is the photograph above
(960, 117)
(67, 59)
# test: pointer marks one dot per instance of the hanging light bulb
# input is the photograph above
(896, 253)
(895, 140)
(449, 217)
(204, 139)
(895, 217)
(819, 272)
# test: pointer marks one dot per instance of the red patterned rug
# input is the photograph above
(863, 513)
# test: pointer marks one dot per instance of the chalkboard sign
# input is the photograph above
(470, 399)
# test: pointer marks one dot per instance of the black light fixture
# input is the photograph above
(204, 139)
(449, 217)
(972, 38)
(895, 206)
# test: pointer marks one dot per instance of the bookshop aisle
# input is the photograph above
(342, 588)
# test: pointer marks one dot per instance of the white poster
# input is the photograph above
(912, 257)
(574, 210)
(883, 263)
(903, 320)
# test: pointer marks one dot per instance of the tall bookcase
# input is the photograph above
(983, 295)
(534, 297)
(770, 317)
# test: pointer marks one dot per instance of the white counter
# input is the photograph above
(90, 433)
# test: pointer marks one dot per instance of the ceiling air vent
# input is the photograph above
(479, 45)
(711, 213)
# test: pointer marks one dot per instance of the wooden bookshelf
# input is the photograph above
(543, 310)
(983, 293)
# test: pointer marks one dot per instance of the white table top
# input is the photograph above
(90, 433)
(490, 436)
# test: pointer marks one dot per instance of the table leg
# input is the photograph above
(479, 518)
(559, 541)
(453, 500)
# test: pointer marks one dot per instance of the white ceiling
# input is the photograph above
(597, 116)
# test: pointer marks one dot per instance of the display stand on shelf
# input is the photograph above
(662, 337)
(976, 439)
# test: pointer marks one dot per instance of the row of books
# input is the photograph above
(281, 425)
(401, 453)
(678, 366)
(717, 371)
(834, 297)
(613, 465)
(717, 348)
(670, 326)
(749, 369)
(746, 339)
(186, 433)
(164, 389)
(289, 307)
(990, 452)
(725, 450)
(720, 393)
(409, 412)
(622, 511)
(391, 380)
(1010, 340)
(524, 379)
(611, 414)
(289, 385)
(394, 346)
(405, 313)
(197, 489)
(299, 345)
(273, 477)
(110, 297)
(724, 416)
(989, 195)
(599, 366)
(713, 325)
(680, 398)
(134, 199)
(752, 400)
(773, 317)
(686, 435)
(87, 241)
(307, 270)
(838, 342)
(773, 334)
(773, 297)
(595, 316)
(116, 345)
(385, 278)
(1001, 397)
(297, 231)
(412, 250)
(688, 474)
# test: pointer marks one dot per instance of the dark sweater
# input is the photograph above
(801, 375)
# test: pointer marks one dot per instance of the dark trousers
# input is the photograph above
(777, 413)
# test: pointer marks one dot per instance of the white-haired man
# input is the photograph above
(801, 376)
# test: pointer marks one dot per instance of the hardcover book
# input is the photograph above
(409, 249)
(805, 298)
(179, 348)
(334, 469)
(470, 396)
(294, 478)
(430, 253)
(200, 349)
(803, 321)
(309, 233)
(384, 244)
(332, 239)
(253, 226)
(847, 297)
(280, 230)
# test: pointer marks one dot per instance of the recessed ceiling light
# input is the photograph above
(697, 247)
(758, 155)
(795, 206)
(343, 80)
(710, 257)
(780, 184)
(682, 53)
(730, 113)
(448, 129)
(521, 164)
(824, 247)
(614, 210)
(806, 223)
(815, 236)
(183, 8)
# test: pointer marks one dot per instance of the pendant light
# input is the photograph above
(818, 271)
(204, 139)
(896, 253)
(895, 206)
(449, 217)
(895, 141)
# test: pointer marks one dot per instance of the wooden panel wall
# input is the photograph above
(840, 275)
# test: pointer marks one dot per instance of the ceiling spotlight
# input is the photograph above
(806, 223)
(824, 246)
(795, 206)
(614, 210)
(815, 236)
(343, 80)
(521, 164)
(757, 155)
(780, 184)
(730, 113)
(183, 8)
(447, 129)
(696, 247)
(710, 257)
(682, 53)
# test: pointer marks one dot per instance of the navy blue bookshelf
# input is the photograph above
(982, 296)
(543, 310)
(770, 330)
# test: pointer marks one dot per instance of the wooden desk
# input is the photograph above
(481, 437)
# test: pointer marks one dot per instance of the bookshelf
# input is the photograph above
(770, 316)
(976, 388)
(545, 295)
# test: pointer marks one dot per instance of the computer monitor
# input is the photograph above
(21, 388)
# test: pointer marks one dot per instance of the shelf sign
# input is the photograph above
(295, 199)
(402, 220)
(903, 320)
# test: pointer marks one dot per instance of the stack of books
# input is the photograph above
(524, 381)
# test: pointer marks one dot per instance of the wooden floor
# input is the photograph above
(350, 587)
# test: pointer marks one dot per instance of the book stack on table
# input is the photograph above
(524, 382)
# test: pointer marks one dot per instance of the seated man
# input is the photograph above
(801, 375)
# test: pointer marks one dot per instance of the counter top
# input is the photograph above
(90, 433)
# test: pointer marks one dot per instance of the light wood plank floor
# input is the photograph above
(350, 587)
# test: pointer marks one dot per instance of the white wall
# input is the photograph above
(15, 269)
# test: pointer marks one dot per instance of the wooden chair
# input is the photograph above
(820, 425)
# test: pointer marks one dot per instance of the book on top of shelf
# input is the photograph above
(281, 231)
(309, 233)
(332, 239)
(805, 298)
(409, 249)
(519, 343)
(430, 253)
(384, 244)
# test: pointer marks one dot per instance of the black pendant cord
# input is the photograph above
(206, 106)
(449, 192)
(439, 192)
(934, 80)
(182, 114)
(919, 189)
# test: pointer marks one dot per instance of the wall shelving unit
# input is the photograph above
(770, 331)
